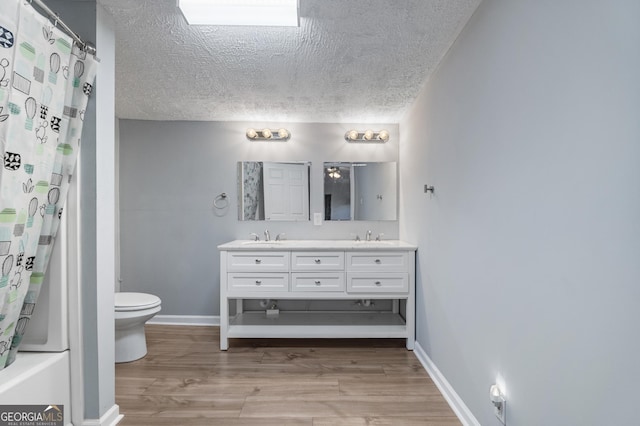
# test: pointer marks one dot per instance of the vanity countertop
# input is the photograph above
(347, 245)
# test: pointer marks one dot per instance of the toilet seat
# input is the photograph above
(126, 302)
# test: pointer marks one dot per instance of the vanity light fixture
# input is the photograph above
(499, 403)
(367, 136)
(281, 13)
(268, 135)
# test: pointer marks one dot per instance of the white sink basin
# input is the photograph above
(375, 243)
(261, 243)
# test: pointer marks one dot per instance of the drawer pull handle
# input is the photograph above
(378, 283)
(258, 260)
(258, 282)
(317, 261)
(317, 282)
(378, 261)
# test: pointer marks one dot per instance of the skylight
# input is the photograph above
(241, 12)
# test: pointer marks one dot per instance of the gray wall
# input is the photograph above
(170, 173)
(528, 267)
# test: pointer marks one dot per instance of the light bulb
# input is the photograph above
(353, 135)
(266, 133)
(368, 135)
(383, 135)
(495, 394)
(283, 133)
(251, 133)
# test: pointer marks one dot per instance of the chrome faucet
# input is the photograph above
(267, 236)
(254, 236)
(369, 235)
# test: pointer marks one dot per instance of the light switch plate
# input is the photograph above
(317, 219)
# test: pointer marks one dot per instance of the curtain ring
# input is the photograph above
(221, 201)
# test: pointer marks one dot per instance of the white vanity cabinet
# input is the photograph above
(318, 270)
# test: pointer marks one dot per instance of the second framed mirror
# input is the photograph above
(360, 191)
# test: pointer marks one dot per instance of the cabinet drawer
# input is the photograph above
(258, 261)
(359, 282)
(258, 281)
(378, 261)
(317, 261)
(317, 281)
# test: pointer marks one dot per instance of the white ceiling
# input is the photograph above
(349, 61)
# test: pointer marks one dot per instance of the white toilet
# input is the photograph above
(132, 311)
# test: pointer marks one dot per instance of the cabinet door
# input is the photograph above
(317, 261)
(317, 281)
(364, 282)
(259, 261)
(378, 261)
(240, 281)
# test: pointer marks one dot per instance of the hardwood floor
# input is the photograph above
(186, 380)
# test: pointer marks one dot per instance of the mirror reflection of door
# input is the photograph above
(286, 191)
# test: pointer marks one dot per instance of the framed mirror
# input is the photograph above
(360, 191)
(277, 191)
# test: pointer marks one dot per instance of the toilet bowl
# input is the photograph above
(132, 311)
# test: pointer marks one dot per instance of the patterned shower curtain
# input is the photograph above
(252, 185)
(45, 83)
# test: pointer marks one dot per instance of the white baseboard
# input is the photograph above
(185, 320)
(455, 402)
(111, 418)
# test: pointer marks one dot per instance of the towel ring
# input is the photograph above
(221, 201)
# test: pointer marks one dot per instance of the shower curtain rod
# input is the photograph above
(59, 22)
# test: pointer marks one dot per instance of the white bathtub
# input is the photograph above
(38, 379)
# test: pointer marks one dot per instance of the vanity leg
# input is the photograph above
(224, 324)
(411, 306)
(224, 303)
(411, 323)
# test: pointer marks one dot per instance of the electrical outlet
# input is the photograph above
(317, 219)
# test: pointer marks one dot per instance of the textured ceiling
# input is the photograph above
(349, 61)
